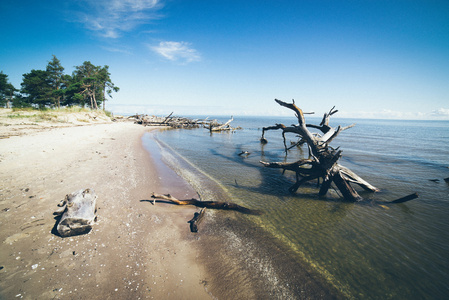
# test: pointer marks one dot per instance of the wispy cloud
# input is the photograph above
(117, 50)
(111, 18)
(441, 112)
(438, 114)
(177, 51)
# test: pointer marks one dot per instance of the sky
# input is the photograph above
(369, 58)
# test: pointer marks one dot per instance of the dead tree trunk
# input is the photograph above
(323, 159)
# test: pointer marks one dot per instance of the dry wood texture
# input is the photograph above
(322, 164)
(77, 213)
(196, 220)
(207, 204)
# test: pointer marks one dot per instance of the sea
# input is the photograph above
(370, 249)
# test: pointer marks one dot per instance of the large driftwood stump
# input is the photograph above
(322, 164)
(78, 213)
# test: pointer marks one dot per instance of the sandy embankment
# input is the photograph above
(135, 251)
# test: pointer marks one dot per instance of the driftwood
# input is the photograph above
(214, 126)
(323, 127)
(244, 153)
(207, 204)
(182, 122)
(169, 121)
(77, 213)
(322, 164)
(198, 217)
(196, 220)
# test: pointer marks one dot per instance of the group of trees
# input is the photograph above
(86, 87)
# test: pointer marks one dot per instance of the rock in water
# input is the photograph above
(79, 213)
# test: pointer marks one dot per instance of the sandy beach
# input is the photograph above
(136, 250)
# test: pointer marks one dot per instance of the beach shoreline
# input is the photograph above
(136, 249)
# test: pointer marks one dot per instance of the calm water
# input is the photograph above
(368, 250)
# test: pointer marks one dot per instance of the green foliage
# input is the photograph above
(55, 73)
(36, 87)
(55, 115)
(7, 90)
(87, 86)
(19, 116)
(22, 109)
(108, 113)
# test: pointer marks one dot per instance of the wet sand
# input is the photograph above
(136, 250)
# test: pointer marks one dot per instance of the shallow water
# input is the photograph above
(369, 249)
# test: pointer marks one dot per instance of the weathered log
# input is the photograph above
(196, 220)
(345, 188)
(354, 178)
(207, 204)
(78, 213)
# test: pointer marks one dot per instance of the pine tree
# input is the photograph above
(36, 88)
(55, 73)
(6, 90)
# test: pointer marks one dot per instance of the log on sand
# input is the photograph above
(207, 204)
(77, 213)
(198, 217)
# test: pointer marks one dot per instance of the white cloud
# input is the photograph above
(176, 51)
(441, 112)
(111, 18)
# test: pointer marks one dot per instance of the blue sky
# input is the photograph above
(371, 59)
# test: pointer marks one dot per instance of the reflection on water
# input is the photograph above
(369, 250)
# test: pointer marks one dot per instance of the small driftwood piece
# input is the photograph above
(244, 153)
(196, 220)
(77, 213)
(207, 204)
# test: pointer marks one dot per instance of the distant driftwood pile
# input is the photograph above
(182, 122)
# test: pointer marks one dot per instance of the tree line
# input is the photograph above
(51, 88)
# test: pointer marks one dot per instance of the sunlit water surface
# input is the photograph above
(369, 249)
